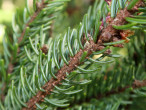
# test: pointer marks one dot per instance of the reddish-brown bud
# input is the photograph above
(44, 49)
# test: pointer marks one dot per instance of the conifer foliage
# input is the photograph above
(78, 69)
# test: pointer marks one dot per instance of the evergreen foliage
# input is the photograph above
(78, 69)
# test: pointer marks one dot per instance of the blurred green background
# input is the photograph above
(7, 8)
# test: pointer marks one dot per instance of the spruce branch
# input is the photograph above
(44, 75)
(61, 74)
(40, 6)
(108, 35)
(137, 84)
(39, 9)
(110, 32)
(31, 21)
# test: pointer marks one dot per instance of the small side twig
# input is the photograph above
(40, 7)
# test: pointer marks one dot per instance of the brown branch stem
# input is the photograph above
(61, 74)
(39, 8)
(136, 84)
(32, 18)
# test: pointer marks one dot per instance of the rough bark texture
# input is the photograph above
(107, 35)
(110, 33)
